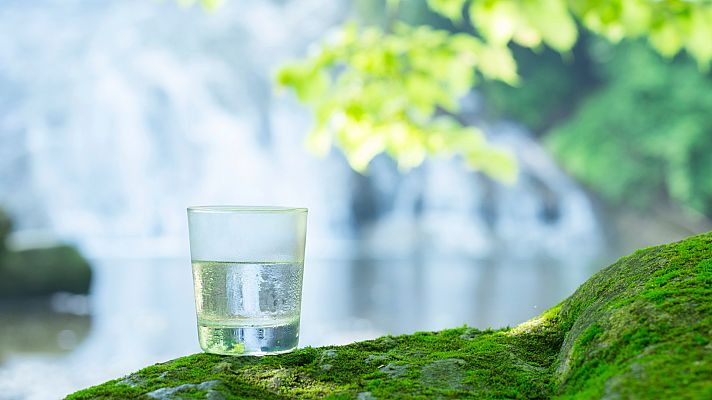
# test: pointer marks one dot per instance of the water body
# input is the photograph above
(143, 312)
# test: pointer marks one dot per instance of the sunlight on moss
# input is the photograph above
(545, 320)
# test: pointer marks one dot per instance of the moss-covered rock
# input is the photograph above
(43, 271)
(5, 228)
(40, 271)
(639, 328)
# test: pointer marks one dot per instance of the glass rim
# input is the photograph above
(233, 209)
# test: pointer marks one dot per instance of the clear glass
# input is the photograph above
(248, 264)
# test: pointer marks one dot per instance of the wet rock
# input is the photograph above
(221, 367)
(375, 358)
(417, 354)
(132, 380)
(387, 341)
(394, 370)
(365, 396)
(327, 356)
(444, 374)
(169, 393)
(470, 333)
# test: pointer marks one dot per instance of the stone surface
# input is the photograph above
(394, 370)
(376, 358)
(639, 328)
(448, 373)
(180, 391)
(327, 357)
(365, 396)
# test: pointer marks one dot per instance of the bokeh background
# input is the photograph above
(117, 115)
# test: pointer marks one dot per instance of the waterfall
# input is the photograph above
(115, 116)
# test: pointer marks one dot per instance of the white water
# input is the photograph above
(114, 116)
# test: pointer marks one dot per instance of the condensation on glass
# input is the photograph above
(248, 264)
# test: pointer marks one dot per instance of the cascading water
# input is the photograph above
(116, 115)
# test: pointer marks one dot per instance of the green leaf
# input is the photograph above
(308, 83)
(666, 39)
(374, 91)
(496, 20)
(552, 21)
(451, 9)
(211, 4)
(498, 163)
(699, 43)
(496, 62)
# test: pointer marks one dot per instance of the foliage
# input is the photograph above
(549, 89)
(388, 92)
(644, 136)
(206, 4)
(637, 329)
(378, 89)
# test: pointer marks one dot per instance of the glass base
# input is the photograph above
(248, 340)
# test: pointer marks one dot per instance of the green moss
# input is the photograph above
(641, 321)
(639, 328)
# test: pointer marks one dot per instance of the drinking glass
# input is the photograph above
(248, 264)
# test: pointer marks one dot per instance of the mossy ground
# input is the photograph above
(640, 328)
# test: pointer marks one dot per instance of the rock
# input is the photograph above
(394, 370)
(444, 374)
(470, 333)
(639, 328)
(167, 393)
(375, 358)
(135, 380)
(327, 357)
(40, 271)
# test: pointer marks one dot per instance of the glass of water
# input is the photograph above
(248, 264)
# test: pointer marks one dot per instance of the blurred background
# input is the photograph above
(116, 116)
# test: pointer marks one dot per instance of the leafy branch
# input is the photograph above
(396, 90)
